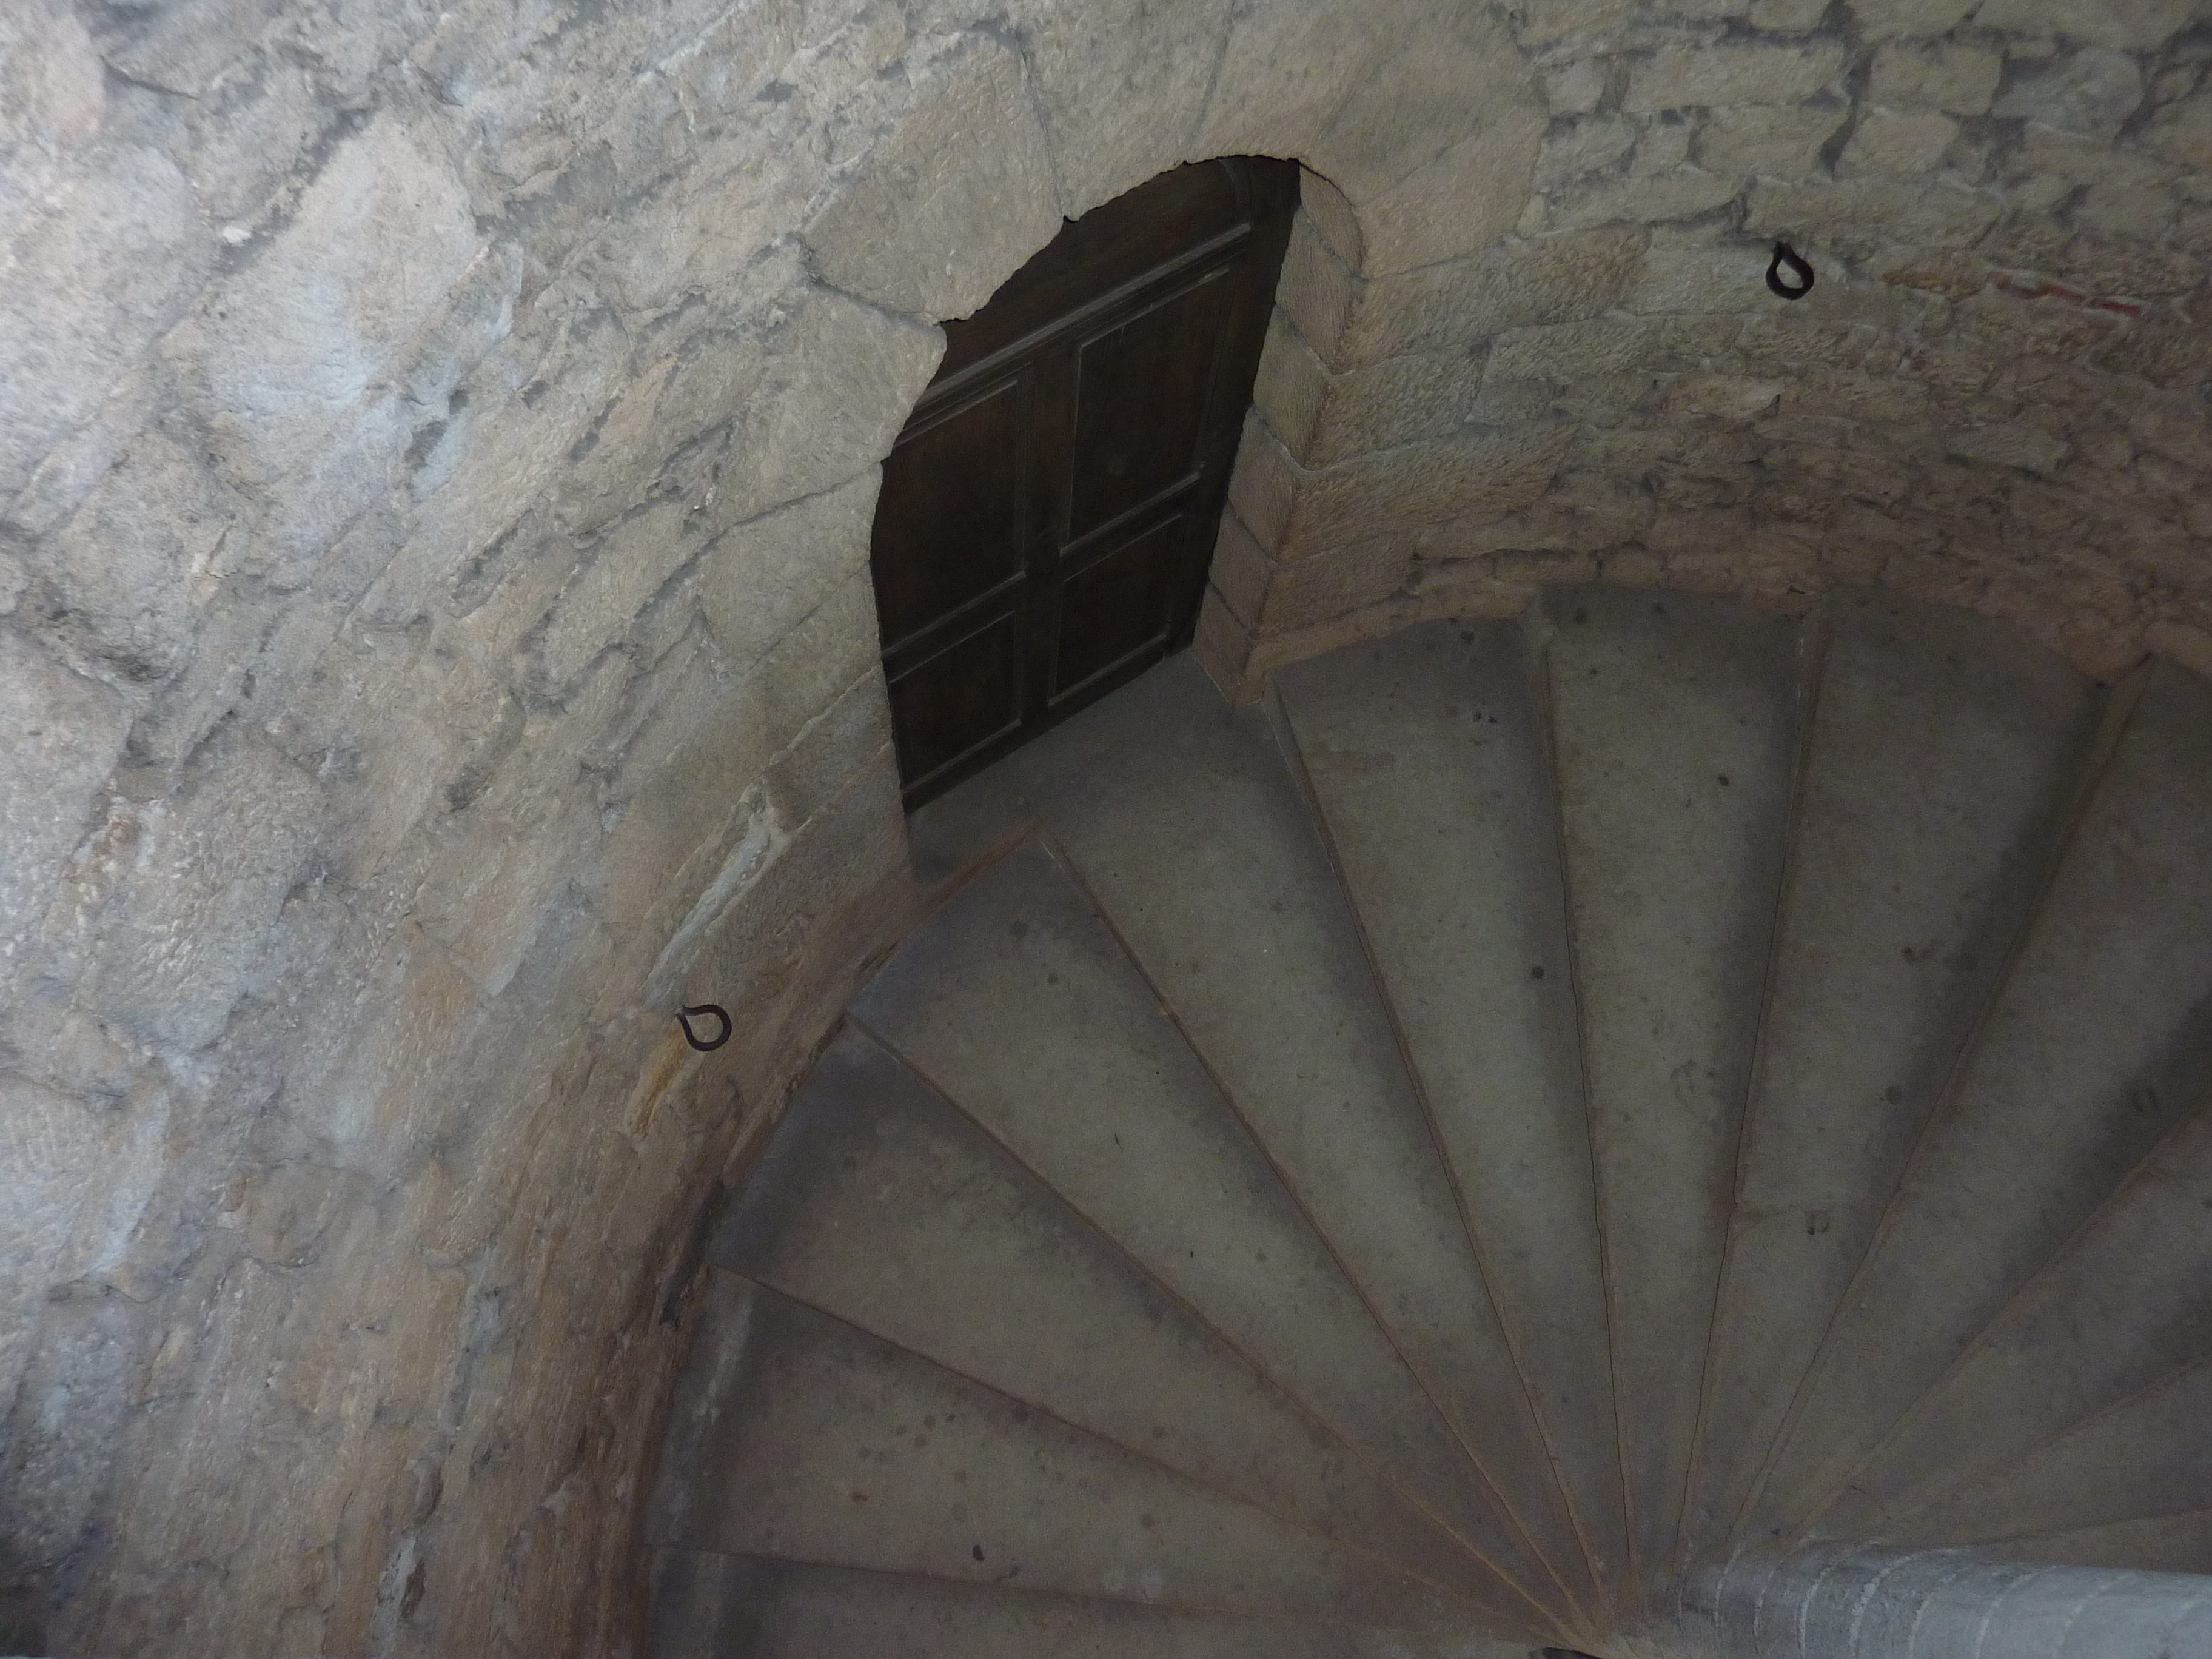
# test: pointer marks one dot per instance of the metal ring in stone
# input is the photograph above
(1786, 255)
(684, 1018)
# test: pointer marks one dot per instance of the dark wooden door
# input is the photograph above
(1049, 512)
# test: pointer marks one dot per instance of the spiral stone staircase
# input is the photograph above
(1466, 1155)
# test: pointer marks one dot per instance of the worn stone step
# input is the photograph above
(1191, 836)
(2159, 1543)
(2099, 1041)
(1942, 759)
(1427, 758)
(2144, 1459)
(2117, 1314)
(878, 1202)
(1675, 721)
(1017, 1000)
(736, 1607)
(826, 1444)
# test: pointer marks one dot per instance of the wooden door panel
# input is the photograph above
(1128, 239)
(950, 517)
(1047, 517)
(1142, 402)
(1119, 604)
(959, 701)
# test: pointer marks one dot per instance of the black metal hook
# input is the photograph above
(684, 1018)
(1786, 255)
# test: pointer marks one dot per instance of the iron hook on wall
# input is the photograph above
(1800, 270)
(684, 1018)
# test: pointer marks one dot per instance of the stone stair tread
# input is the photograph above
(1675, 722)
(735, 1606)
(2158, 1543)
(2148, 1456)
(1018, 1001)
(1425, 756)
(1919, 846)
(2098, 1044)
(878, 1202)
(832, 1446)
(2119, 1312)
(1192, 838)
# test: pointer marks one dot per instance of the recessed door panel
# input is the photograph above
(1049, 513)
(949, 705)
(949, 521)
(1118, 605)
(1141, 404)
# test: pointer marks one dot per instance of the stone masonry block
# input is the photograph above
(2125, 25)
(952, 203)
(1421, 484)
(293, 351)
(1289, 388)
(1573, 351)
(1884, 19)
(125, 577)
(1413, 397)
(1445, 74)
(1776, 140)
(54, 95)
(1893, 145)
(1545, 279)
(1332, 214)
(1343, 580)
(1240, 571)
(192, 919)
(2090, 91)
(765, 576)
(1287, 69)
(1957, 79)
(1868, 213)
(51, 1160)
(1317, 290)
(1574, 148)
(1685, 193)
(1264, 484)
(65, 734)
(835, 382)
(1685, 76)
(1460, 203)
(109, 260)
(1122, 86)
(1223, 646)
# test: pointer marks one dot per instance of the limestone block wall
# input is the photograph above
(1994, 395)
(437, 448)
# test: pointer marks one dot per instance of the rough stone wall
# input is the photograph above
(1994, 396)
(436, 453)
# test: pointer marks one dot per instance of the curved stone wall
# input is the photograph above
(436, 455)
(1992, 396)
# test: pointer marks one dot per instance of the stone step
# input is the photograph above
(2114, 1317)
(879, 1203)
(2099, 1043)
(1943, 755)
(737, 1607)
(2159, 1543)
(828, 1445)
(1179, 816)
(1675, 722)
(1017, 1000)
(2146, 1458)
(1427, 761)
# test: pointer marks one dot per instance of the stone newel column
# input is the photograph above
(1864, 1602)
